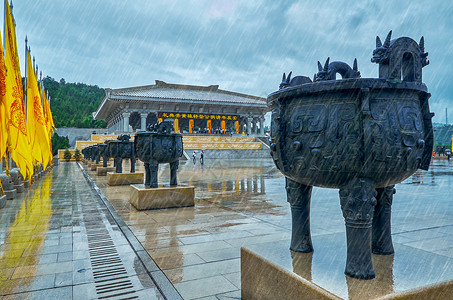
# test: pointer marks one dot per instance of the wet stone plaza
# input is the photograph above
(72, 236)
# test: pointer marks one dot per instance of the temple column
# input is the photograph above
(191, 124)
(143, 117)
(262, 126)
(115, 126)
(209, 126)
(176, 125)
(236, 126)
(126, 116)
(249, 126)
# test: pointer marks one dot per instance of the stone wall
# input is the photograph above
(81, 134)
(230, 153)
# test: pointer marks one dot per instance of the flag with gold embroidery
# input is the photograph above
(18, 140)
(49, 122)
(48, 113)
(36, 122)
(3, 121)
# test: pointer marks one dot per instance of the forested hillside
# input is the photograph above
(443, 135)
(73, 103)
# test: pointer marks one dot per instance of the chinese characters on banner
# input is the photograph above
(196, 116)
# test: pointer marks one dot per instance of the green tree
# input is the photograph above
(59, 142)
(67, 155)
(77, 154)
(72, 104)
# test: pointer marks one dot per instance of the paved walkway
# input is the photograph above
(243, 203)
(73, 237)
(58, 241)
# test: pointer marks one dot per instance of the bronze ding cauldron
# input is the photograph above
(360, 135)
(159, 145)
(122, 148)
(86, 152)
(103, 152)
(96, 153)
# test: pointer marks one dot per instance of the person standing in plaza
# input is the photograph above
(194, 156)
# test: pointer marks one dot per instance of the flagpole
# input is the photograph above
(4, 27)
(4, 41)
(26, 78)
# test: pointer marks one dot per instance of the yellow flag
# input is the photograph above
(49, 123)
(39, 138)
(18, 143)
(3, 121)
(48, 113)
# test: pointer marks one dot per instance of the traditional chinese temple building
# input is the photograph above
(206, 109)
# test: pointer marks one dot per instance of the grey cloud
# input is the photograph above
(244, 46)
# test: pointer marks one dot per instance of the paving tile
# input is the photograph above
(177, 260)
(220, 254)
(214, 237)
(64, 256)
(234, 278)
(259, 239)
(46, 250)
(204, 287)
(431, 244)
(236, 295)
(55, 293)
(5, 274)
(186, 249)
(203, 270)
(445, 252)
(27, 284)
(63, 279)
(44, 269)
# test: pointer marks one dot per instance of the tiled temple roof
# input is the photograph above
(163, 90)
(166, 92)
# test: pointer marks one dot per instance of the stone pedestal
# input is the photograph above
(95, 166)
(2, 201)
(125, 178)
(162, 197)
(10, 194)
(19, 187)
(271, 271)
(102, 171)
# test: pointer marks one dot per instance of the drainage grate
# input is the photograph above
(110, 276)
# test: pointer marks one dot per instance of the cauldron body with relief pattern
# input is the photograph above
(360, 135)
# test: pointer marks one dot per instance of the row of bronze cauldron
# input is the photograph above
(119, 149)
(158, 145)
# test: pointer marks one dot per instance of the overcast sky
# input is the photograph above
(242, 46)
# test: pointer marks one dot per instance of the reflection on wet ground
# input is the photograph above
(243, 203)
(52, 236)
(58, 242)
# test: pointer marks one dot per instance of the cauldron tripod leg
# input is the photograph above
(299, 197)
(153, 169)
(357, 201)
(133, 160)
(173, 168)
(147, 175)
(119, 164)
(382, 232)
(104, 161)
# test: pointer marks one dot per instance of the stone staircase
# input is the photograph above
(220, 142)
(216, 146)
